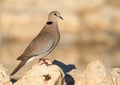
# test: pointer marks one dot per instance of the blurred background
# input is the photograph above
(90, 30)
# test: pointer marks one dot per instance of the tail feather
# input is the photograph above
(19, 66)
(21, 57)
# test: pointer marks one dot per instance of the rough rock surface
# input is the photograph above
(4, 76)
(96, 73)
(42, 75)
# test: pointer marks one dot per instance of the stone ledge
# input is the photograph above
(96, 73)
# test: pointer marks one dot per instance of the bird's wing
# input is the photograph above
(39, 46)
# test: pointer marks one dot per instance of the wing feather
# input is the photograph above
(39, 46)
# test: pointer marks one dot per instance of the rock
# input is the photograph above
(96, 73)
(40, 74)
(77, 77)
(4, 76)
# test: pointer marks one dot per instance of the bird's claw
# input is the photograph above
(44, 62)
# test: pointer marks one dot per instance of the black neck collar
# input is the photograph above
(49, 22)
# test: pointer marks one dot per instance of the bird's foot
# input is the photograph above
(44, 62)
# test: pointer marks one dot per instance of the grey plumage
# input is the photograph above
(43, 43)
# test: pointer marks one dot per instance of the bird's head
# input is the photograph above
(54, 16)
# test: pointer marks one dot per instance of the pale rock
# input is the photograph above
(96, 73)
(4, 76)
(77, 76)
(40, 74)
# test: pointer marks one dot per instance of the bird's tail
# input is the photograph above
(19, 66)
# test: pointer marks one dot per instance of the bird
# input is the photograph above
(44, 43)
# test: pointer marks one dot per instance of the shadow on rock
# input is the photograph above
(69, 79)
(66, 68)
(13, 80)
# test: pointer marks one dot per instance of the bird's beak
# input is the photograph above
(61, 17)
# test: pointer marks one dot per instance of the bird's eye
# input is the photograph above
(55, 14)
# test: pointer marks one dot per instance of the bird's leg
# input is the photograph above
(39, 60)
(44, 61)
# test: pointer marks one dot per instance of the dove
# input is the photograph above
(43, 43)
